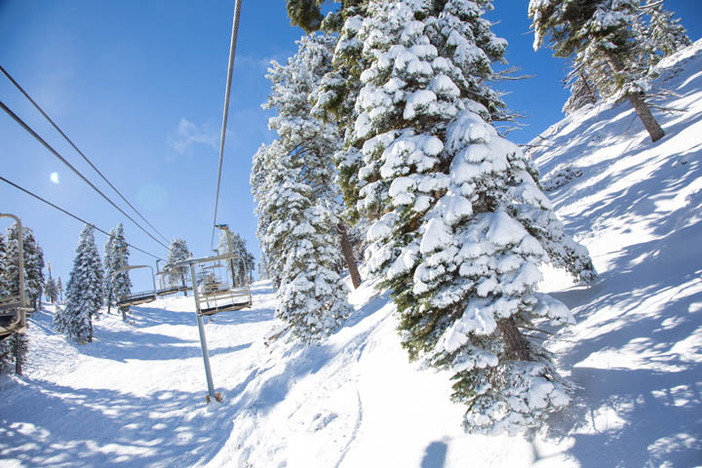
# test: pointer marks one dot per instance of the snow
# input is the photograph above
(135, 397)
(417, 102)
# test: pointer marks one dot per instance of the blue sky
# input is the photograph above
(139, 88)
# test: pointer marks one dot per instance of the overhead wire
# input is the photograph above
(70, 142)
(76, 171)
(225, 113)
(28, 192)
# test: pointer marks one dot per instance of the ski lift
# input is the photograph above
(220, 284)
(140, 297)
(13, 308)
(164, 288)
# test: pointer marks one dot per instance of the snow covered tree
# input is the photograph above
(177, 252)
(590, 30)
(582, 91)
(59, 287)
(665, 32)
(5, 284)
(109, 266)
(297, 199)
(33, 264)
(7, 346)
(50, 290)
(117, 283)
(232, 242)
(263, 268)
(458, 223)
(84, 293)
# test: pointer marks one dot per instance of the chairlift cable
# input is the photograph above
(225, 113)
(72, 215)
(41, 111)
(58, 155)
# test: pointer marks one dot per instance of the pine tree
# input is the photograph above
(232, 242)
(305, 14)
(109, 267)
(6, 346)
(33, 264)
(177, 252)
(263, 268)
(84, 293)
(5, 284)
(458, 223)
(50, 290)
(665, 32)
(297, 199)
(59, 287)
(590, 30)
(582, 91)
(117, 283)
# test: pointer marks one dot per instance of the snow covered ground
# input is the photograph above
(135, 397)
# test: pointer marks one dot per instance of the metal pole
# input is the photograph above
(153, 281)
(203, 339)
(23, 299)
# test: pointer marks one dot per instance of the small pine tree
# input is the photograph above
(232, 242)
(177, 252)
(50, 290)
(109, 267)
(59, 287)
(117, 283)
(84, 294)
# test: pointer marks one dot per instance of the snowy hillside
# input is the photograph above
(135, 397)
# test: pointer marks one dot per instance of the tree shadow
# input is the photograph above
(644, 317)
(69, 426)
(634, 418)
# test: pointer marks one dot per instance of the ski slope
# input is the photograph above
(135, 396)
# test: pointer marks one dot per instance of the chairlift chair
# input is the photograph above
(215, 287)
(139, 297)
(13, 311)
(166, 290)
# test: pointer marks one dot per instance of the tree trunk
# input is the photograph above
(182, 277)
(644, 113)
(516, 345)
(18, 355)
(638, 103)
(348, 255)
